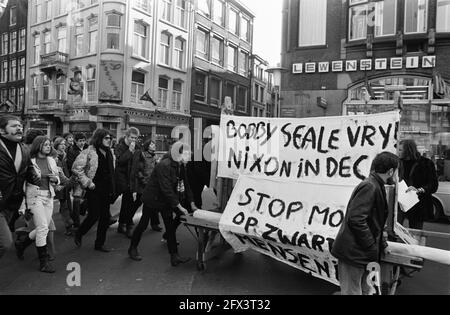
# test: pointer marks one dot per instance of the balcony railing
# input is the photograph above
(52, 105)
(54, 61)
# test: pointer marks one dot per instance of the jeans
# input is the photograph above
(128, 208)
(98, 203)
(353, 279)
(171, 224)
(42, 209)
(6, 239)
(148, 215)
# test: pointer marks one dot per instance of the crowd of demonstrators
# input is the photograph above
(94, 171)
(420, 175)
(127, 152)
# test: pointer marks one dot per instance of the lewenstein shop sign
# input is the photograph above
(296, 177)
(396, 63)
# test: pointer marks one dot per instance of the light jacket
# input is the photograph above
(32, 191)
(84, 169)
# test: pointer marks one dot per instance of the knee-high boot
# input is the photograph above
(45, 265)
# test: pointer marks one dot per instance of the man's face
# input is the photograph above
(13, 131)
(132, 138)
(70, 140)
(81, 143)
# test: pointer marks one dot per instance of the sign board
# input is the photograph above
(111, 81)
(331, 150)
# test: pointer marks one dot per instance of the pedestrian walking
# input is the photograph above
(360, 240)
(125, 152)
(420, 175)
(15, 168)
(94, 171)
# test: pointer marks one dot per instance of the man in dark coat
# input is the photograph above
(125, 155)
(15, 168)
(360, 239)
(168, 192)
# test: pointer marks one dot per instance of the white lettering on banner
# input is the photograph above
(324, 67)
(333, 150)
(290, 223)
(395, 63)
(337, 66)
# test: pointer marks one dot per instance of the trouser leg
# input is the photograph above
(141, 227)
(5, 235)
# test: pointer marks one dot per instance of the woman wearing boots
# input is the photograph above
(39, 199)
(94, 170)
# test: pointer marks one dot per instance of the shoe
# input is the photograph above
(22, 242)
(156, 228)
(133, 253)
(44, 264)
(102, 249)
(175, 260)
(122, 229)
(77, 240)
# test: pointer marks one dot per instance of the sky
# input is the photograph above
(267, 29)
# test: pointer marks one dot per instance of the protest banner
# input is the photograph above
(295, 223)
(325, 150)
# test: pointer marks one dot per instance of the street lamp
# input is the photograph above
(277, 73)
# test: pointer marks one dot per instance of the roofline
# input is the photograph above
(241, 4)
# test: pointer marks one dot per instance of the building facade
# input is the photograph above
(13, 34)
(110, 64)
(260, 88)
(358, 56)
(222, 47)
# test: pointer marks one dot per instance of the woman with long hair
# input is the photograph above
(419, 173)
(94, 171)
(39, 199)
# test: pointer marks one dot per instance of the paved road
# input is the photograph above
(250, 273)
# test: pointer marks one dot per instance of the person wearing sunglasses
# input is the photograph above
(94, 170)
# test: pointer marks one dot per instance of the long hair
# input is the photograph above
(410, 150)
(97, 138)
(37, 145)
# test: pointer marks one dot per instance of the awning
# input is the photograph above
(441, 87)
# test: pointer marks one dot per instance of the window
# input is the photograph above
(243, 63)
(45, 87)
(137, 87)
(36, 49)
(164, 57)
(62, 39)
(47, 42)
(204, 7)
(48, 9)
(229, 92)
(12, 16)
(241, 99)
(179, 53)
(22, 68)
(13, 44)
(35, 91)
(219, 9)
(233, 22)
(79, 30)
(113, 31)
(4, 95)
(256, 95)
(215, 91)
(90, 84)
(60, 87)
(93, 36)
(443, 16)
(140, 39)
(312, 22)
(217, 50)
(37, 11)
(167, 10)
(177, 95)
(245, 28)
(200, 87)
(163, 92)
(180, 13)
(22, 39)
(5, 44)
(416, 12)
(201, 46)
(13, 70)
(262, 94)
(358, 22)
(4, 71)
(62, 7)
(143, 4)
(21, 100)
(232, 58)
(385, 17)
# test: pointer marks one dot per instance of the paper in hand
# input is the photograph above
(407, 200)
